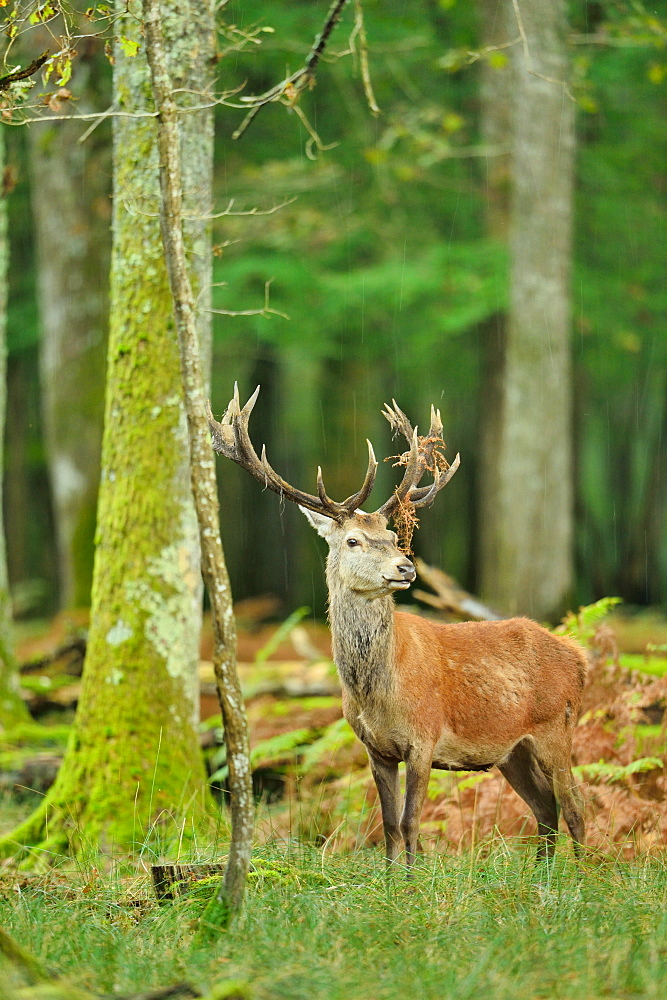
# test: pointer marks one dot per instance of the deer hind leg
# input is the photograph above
(523, 772)
(385, 774)
(571, 802)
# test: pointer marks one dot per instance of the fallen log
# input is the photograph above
(449, 598)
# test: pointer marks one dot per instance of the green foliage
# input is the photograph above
(644, 663)
(605, 771)
(336, 736)
(277, 749)
(581, 625)
(129, 46)
(281, 634)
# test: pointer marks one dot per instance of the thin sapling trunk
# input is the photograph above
(204, 488)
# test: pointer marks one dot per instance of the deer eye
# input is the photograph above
(351, 542)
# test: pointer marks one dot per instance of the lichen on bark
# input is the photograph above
(133, 772)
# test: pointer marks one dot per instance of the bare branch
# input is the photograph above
(250, 211)
(266, 310)
(474, 55)
(201, 217)
(23, 74)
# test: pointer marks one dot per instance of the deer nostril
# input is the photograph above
(406, 569)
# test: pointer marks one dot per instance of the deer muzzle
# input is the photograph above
(400, 575)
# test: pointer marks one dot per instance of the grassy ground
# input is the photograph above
(480, 925)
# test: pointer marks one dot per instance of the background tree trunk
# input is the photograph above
(526, 525)
(71, 210)
(12, 708)
(134, 772)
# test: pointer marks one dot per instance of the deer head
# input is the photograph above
(364, 554)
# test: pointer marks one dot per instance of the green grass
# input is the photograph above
(481, 925)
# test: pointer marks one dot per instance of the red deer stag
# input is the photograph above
(455, 697)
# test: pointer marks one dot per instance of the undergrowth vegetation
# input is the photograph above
(484, 923)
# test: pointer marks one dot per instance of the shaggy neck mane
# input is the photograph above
(362, 634)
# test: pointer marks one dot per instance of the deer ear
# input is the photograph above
(322, 525)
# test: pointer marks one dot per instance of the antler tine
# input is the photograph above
(249, 406)
(398, 421)
(275, 482)
(420, 458)
(355, 501)
(335, 510)
(232, 439)
(435, 430)
(414, 470)
(427, 494)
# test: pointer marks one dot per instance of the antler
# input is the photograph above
(423, 456)
(231, 438)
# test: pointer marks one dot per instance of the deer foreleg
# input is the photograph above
(417, 773)
(386, 779)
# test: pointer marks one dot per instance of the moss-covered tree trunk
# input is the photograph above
(71, 208)
(527, 524)
(133, 772)
(12, 708)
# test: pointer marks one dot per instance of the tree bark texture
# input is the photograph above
(203, 478)
(71, 207)
(12, 708)
(133, 772)
(527, 520)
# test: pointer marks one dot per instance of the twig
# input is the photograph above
(99, 116)
(522, 30)
(292, 86)
(314, 140)
(250, 211)
(265, 311)
(526, 52)
(200, 217)
(363, 59)
(474, 55)
(23, 74)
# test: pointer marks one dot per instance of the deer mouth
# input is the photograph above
(397, 584)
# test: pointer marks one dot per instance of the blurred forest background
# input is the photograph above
(389, 261)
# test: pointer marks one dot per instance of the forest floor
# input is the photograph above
(310, 773)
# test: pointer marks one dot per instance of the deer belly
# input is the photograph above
(454, 754)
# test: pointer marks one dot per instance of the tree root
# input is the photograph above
(31, 846)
